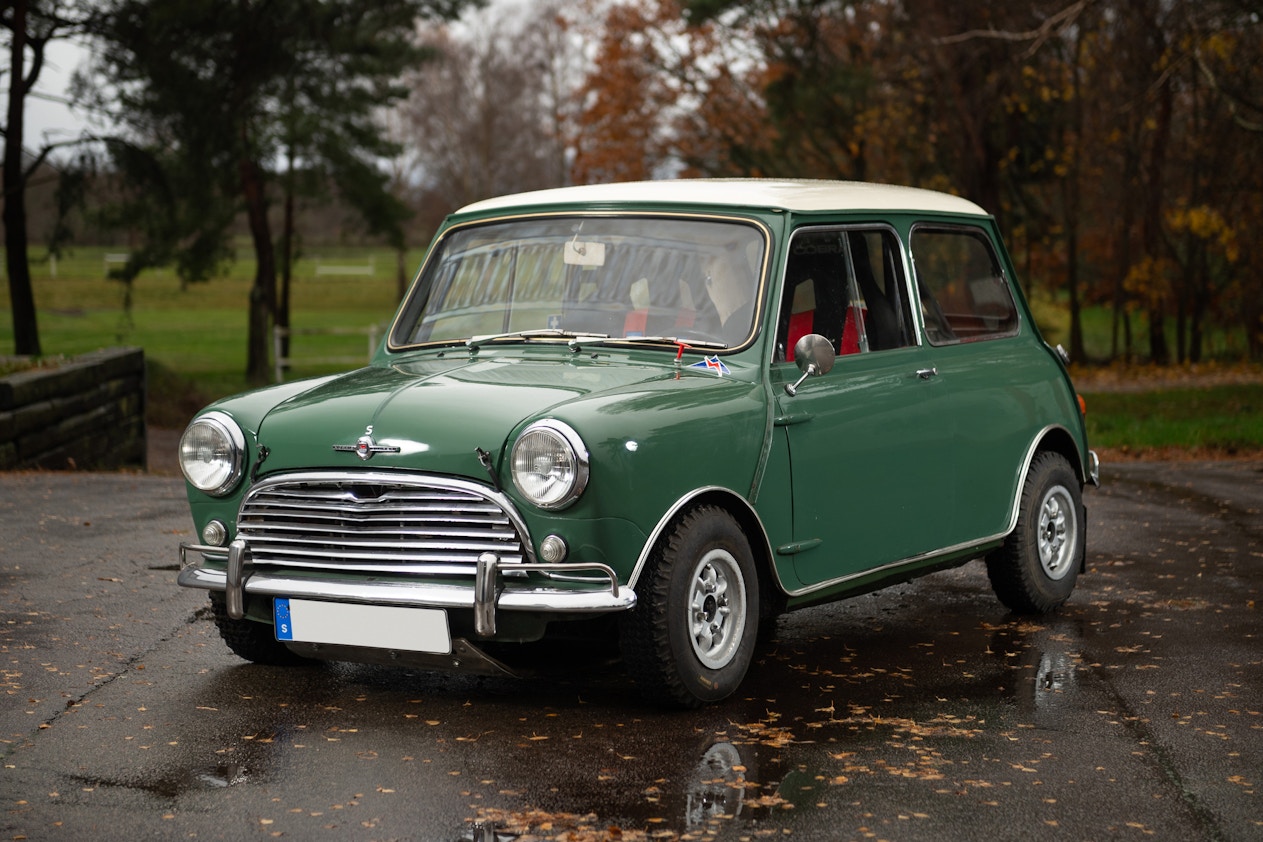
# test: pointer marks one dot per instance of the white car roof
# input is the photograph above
(787, 194)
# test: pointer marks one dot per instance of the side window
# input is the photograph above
(846, 284)
(964, 294)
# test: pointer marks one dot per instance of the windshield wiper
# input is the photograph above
(672, 340)
(527, 335)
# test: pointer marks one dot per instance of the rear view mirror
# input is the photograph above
(814, 355)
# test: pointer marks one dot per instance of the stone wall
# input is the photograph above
(87, 413)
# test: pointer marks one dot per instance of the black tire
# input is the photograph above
(691, 636)
(256, 642)
(1034, 572)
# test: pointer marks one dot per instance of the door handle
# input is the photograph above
(927, 373)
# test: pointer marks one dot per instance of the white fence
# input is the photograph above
(282, 361)
(323, 268)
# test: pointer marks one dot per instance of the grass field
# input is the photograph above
(195, 341)
(199, 332)
(1206, 421)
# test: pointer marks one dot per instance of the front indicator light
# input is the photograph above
(553, 549)
(214, 534)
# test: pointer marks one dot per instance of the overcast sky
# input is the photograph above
(44, 115)
(62, 57)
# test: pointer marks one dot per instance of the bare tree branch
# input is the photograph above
(1055, 25)
(1234, 101)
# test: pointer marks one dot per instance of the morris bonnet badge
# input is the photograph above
(365, 447)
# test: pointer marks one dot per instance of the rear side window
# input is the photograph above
(964, 294)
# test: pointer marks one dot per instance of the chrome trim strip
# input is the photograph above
(1094, 469)
(916, 559)
(508, 597)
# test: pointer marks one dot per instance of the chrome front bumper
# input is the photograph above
(489, 593)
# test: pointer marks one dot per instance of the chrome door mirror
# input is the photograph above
(814, 355)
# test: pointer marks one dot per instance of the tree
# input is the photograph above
(624, 97)
(216, 94)
(490, 114)
(31, 25)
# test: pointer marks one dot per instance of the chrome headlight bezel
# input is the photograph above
(221, 457)
(556, 446)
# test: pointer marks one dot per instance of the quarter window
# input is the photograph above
(964, 294)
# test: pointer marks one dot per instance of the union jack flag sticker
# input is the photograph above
(714, 364)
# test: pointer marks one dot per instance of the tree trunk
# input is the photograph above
(1155, 170)
(401, 273)
(287, 257)
(1072, 203)
(1127, 220)
(21, 296)
(263, 293)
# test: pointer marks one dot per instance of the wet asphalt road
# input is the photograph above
(922, 712)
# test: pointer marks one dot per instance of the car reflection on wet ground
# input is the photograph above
(920, 712)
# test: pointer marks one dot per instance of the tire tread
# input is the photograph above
(253, 641)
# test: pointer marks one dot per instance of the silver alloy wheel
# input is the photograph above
(1058, 532)
(717, 608)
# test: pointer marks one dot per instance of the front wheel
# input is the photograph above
(691, 637)
(256, 642)
(1035, 570)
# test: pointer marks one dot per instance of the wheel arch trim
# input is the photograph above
(736, 505)
(1055, 439)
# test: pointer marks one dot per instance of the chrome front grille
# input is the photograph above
(378, 522)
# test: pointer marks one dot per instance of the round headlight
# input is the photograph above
(211, 453)
(550, 464)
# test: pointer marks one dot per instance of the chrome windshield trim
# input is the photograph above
(406, 312)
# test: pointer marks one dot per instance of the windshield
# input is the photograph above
(615, 278)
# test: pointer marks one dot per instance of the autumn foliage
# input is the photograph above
(1119, 145)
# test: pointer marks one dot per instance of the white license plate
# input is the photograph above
(348, 624)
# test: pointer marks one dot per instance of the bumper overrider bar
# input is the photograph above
(490, 592)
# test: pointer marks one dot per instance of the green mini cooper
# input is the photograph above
(654, 413)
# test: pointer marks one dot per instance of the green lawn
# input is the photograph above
(200, 331)
(1214, 420)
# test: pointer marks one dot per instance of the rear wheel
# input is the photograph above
(1035, 570)
(691, 637)
(256, 642)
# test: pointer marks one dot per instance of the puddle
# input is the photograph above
(175, 784)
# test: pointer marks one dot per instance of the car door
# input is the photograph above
(871, 475)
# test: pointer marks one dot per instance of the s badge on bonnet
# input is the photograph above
(365, 447)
